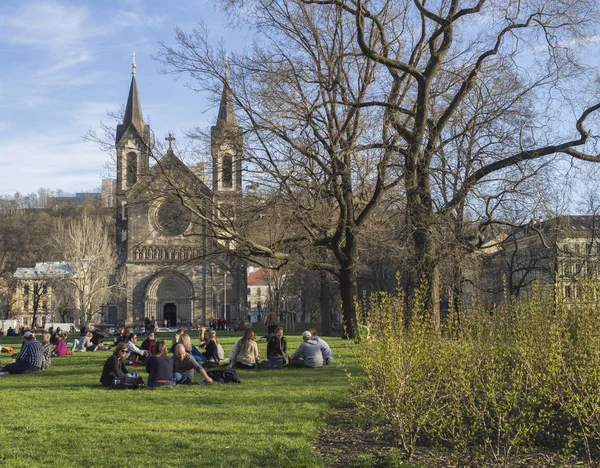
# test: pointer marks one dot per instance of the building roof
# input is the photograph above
(133, 110)
(45, 270)
(226, 113)
(259, 277)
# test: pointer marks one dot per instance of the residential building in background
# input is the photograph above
(561, 254)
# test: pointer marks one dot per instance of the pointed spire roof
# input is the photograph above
(133, 110)
(226, 113)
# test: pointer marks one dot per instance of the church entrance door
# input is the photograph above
(170, 314)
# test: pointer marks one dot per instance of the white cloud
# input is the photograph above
(49, 25)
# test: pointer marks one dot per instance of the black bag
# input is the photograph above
(127, 382)
(224, 376)
(274, 362)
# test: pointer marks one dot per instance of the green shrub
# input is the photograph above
(525, 374)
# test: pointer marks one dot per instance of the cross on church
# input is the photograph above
(170, 138)
(133, 65)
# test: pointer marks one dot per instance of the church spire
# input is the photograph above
(133, 110)
(226, 113)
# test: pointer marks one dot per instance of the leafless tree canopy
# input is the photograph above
(459, 108)
(85, 243)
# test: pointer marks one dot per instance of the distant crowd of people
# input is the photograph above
(175, 364)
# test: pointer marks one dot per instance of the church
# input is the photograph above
(174, 271)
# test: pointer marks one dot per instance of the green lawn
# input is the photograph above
(63, 417)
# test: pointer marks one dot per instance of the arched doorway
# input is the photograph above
(170, 296)
(170, 314)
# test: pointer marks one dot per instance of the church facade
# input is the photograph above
(173, 271)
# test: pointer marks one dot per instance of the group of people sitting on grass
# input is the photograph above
(163, 370)
(187, 359)
(312, 352)
(33, 357)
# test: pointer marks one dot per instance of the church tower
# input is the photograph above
(226, 151)
(133, 151)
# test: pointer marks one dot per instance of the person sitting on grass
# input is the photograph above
(30, 358)
(149, 342)
(325, 349)
(175, 339)
(160, 367)
(84, 343)
(186, 341)
(184, 366)
(114, 367)
(277, 346)
(47, 349)
(308, 353)
(214, 351)
(244, 354)
(60, 348)
(135, 353)
(121, 337)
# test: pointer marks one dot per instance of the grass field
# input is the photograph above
(63, 417)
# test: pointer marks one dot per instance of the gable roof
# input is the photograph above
(171, 166)
(259, 277)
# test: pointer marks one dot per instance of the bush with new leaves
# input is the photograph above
(523, 375)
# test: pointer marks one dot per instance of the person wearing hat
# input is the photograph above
(308, 353)
(30, 359)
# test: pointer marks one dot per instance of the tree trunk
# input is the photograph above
(427, 274)
(349, 293)
(324, 305)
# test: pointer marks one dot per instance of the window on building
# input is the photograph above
(577, 268)
(26, 290)
(44, 289)
(568, 292)
(258, 292)
(132, 169)
(227, 171)
(588, 249)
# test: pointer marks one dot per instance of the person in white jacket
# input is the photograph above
(135, 353)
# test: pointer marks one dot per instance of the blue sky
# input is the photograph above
(65, 63)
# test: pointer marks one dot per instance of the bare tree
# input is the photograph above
(440, 59)
(313, 146)
(85, 243)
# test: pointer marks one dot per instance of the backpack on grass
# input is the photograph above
(127, 382)
(224, 376)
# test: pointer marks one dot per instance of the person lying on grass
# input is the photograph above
(114, 366)
(30, 358)
(160, 367)
(244, 354)
(308, 353)
(184, 366)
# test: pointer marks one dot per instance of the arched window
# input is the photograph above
(132, 169)
(227, 171)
